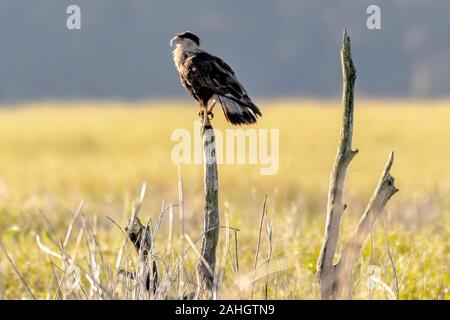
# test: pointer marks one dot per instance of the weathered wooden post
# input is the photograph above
(207, 263)
(335, 279)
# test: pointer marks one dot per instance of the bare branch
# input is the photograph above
(345, 154)
(384, 191)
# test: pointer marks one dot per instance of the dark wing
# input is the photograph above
(205, 75)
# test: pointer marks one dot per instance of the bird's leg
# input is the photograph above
(203, 118)
(210, 110)
(206, 114)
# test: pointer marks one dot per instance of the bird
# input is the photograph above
(210, 81)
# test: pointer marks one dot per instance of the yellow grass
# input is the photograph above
(54, 155)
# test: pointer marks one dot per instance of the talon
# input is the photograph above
(201, 113)
(210, 115)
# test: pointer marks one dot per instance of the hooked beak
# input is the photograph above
(175, 41)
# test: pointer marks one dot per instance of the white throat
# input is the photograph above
(182, 52)
(179, 56)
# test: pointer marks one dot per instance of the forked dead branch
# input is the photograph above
(335, 279)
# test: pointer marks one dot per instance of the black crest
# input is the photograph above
(189, 35)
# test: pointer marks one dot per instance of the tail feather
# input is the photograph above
(238, 113)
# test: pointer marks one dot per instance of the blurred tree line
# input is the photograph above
(278, 48)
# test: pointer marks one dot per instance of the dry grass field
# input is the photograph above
(54, 155)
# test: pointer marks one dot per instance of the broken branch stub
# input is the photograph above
(141, 238)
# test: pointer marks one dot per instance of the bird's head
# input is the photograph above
(186, 40)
